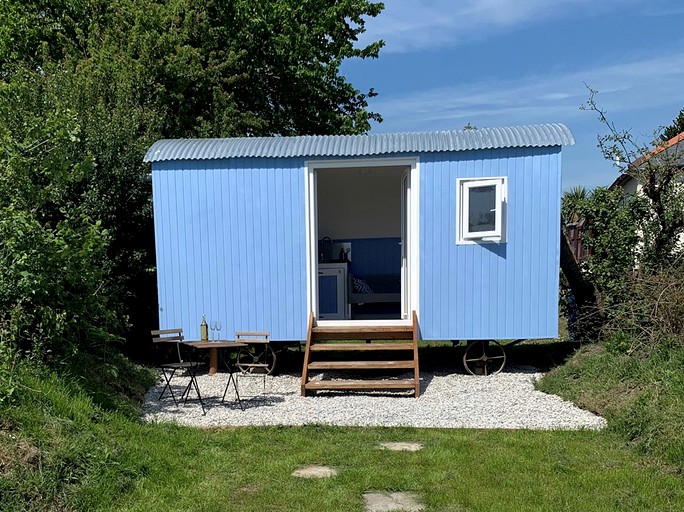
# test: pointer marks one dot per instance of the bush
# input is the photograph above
(610, 223)
(652, 317)
(55, 296)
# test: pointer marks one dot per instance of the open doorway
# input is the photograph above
(359, 227)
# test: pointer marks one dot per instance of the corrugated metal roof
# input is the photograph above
(360, 145)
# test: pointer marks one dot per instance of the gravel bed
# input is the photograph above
(448, 400)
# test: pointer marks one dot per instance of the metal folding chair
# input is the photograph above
(176, 361)
(258, 358)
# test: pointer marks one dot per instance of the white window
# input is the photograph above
(481, 215)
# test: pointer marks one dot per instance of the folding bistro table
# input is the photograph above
(214, 347)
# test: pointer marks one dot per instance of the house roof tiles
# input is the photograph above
(672, 154)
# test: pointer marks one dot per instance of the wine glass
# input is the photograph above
(218, 331)
(212, 326)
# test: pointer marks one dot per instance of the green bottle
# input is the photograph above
(204, 329)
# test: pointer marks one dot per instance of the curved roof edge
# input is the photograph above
(539, 135)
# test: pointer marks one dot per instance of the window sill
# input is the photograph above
(484, 240)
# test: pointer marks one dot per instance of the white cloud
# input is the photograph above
(623, 87)
(414, 25)
(637, 95)
(555, 96)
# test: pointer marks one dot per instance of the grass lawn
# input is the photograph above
(249, 469)
(71, 441)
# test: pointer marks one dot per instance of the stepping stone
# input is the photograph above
(315, 472)
(402, 447)
(387, 502)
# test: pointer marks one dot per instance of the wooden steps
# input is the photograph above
(363, 333)
(379, 339)
(314, 385)
(360, 365)
(365, 347)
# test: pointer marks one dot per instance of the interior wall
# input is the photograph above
(359, 202)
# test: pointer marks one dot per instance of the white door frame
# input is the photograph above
(410, 294)
(405, 208)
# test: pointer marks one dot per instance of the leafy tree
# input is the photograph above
(54, 291)
(629, 234)
(599, 281)
(659, 172)
(122, 74)
(674, 129)
(614, 240)
(214, 67)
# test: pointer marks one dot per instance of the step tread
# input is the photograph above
(361, 384)
(361, 365)
(360, 346)
(362, 328)
(383, 332)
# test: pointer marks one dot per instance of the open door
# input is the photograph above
(361, 237)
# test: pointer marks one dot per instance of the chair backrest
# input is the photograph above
(167, 335)
(174, 336)
(252, 336)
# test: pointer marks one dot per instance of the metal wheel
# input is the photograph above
(256, 358)
(484, 357)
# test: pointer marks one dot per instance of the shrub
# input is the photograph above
(55, 297)
(652, 317)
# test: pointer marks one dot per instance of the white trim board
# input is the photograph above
(413, 235)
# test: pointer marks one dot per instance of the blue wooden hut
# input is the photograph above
(460, 227)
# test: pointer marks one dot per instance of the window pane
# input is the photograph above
(482, 212)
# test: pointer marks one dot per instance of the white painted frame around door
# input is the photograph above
(410, 270)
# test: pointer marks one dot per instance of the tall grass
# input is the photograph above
(642, 397)
(635, 374)
(59, 437)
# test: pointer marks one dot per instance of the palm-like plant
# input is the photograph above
(572, 199)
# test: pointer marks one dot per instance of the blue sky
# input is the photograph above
(447, 63)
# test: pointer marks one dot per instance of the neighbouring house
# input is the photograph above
(460, 227)
(671, 152)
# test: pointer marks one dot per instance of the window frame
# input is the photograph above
(498, 234)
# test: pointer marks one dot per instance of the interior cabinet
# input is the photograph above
(333, 302)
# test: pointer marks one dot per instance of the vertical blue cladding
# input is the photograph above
(231, 244)
(491, 291)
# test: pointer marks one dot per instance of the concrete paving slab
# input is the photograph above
(314, 472)
(395, 501)
(402, 447)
